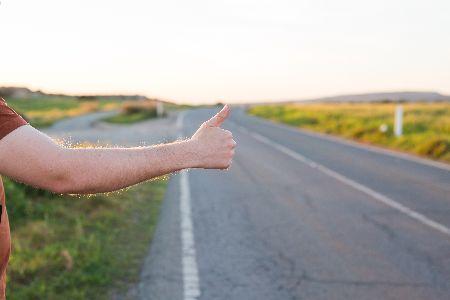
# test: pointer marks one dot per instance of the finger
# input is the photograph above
(220, 117)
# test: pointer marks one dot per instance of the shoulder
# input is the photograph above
(9, 119)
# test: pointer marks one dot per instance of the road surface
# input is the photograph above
(89, 128)
(299, 216)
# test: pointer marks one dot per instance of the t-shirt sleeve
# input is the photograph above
(9, 119)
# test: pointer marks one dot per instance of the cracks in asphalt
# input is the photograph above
(294, 278)
(409, 248)
(305, 277)
(388, 231)
(309, 201)
(292, 282)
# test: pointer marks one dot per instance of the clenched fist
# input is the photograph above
(214, 145)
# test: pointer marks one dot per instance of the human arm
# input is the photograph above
(30, 156)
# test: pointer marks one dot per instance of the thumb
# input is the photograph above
(220, 117)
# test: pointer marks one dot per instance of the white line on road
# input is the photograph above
(191, 282)
(362, 188)
(179, 123)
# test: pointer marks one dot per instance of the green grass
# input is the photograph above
(46, 110)
(426, 125)
(67, 247)
(123, 118)
(168, 106)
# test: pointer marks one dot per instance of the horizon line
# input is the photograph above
(219, 99)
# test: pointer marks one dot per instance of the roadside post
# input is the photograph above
(398, 123)
(159, 109)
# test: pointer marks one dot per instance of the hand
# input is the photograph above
(214, 146)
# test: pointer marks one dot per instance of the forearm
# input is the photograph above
(109, 169)
(31, 157)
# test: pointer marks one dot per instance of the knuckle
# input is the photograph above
(227, 133)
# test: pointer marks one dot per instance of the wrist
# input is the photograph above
(191, 158)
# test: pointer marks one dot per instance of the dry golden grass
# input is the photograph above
(50, 115)
(426, 125)
(44, 111)
(130, 107)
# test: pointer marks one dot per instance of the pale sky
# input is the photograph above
(230, 50)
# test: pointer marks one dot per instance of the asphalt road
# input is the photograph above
(276, 227)
(89, 128)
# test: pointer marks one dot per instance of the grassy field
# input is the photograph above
(67, 247)
(426, 125)
(44, 111)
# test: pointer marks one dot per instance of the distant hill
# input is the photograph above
(388, 97)
(17, 92)
(22, 92)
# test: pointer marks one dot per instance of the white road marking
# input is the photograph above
(362, 188)
(191, 282)
(179, 123)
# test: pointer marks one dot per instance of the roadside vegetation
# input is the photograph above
(134, 111)
(138, 111)
(67, 247)
(426, 126)
(78, 247)
(43, 111)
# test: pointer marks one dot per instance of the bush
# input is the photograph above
(130, 108)
(436, 147)
(134, 111)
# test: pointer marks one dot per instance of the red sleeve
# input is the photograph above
(9, 119)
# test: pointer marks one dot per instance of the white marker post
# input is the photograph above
(398, 124)
(159, 109)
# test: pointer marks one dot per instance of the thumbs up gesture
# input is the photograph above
(214, 145)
